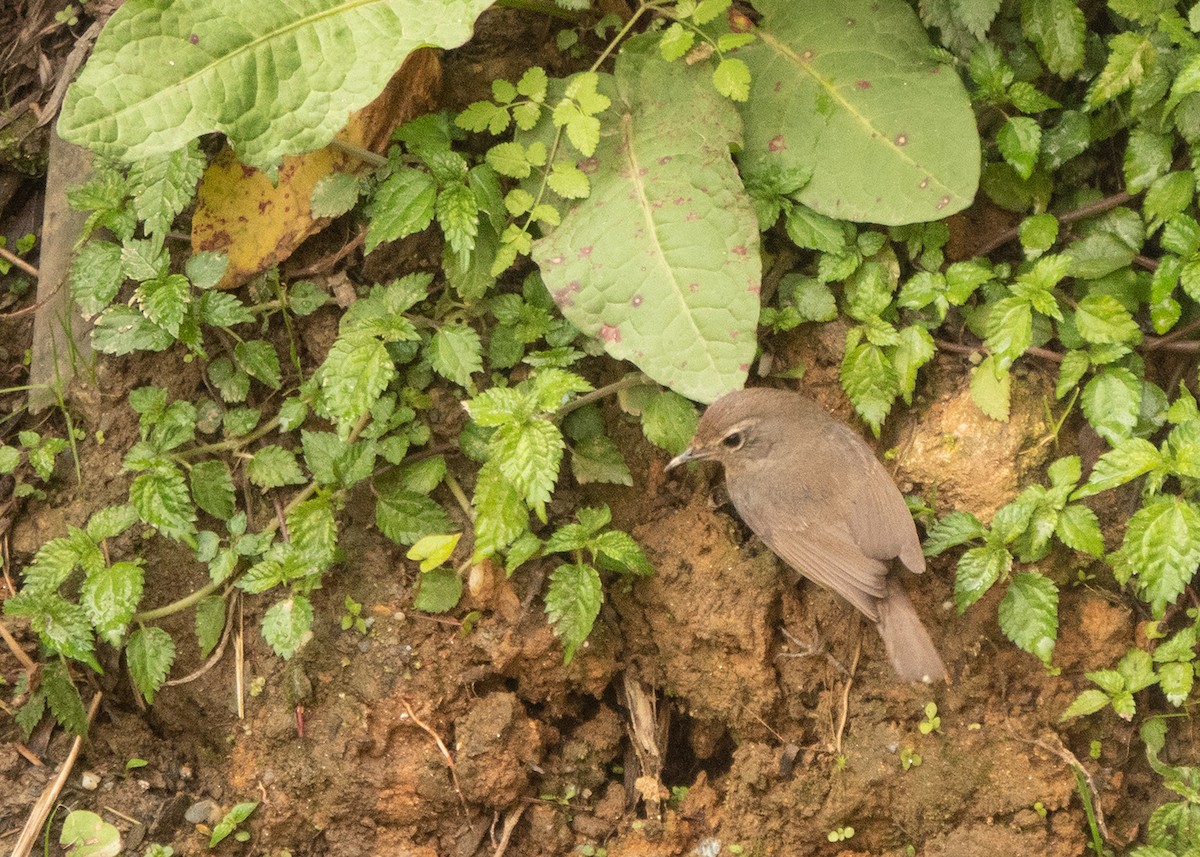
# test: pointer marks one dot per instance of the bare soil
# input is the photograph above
(767, 712)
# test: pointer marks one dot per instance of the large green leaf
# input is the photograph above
(849, 91)
(278, 78)
(661, 262)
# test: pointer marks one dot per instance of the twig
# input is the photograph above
(1098, 207)
(1060, 750)
(16, 649)
(510, 824)
(217, 654)
(841, 725)
(16, 260)
(637, 379)
(41, 809)
(417, 721)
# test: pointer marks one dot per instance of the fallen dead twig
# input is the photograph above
(510, 824)
(41, 809)
(417, 721)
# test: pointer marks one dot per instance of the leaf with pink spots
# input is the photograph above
(849, 90)
(661, 263)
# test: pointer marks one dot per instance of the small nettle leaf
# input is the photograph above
(212, 488)
(500, 514)
(871, 382)
(528, 456)
(405, 517)
(332, 461)
(96, 276)
(110, 522)
(597, 459)
(287, 625)
(1088, 702)
(1130, 55)
(433, 550)
(456, 352)
(978, 569)
(150, 653)
(122, 330)
(1147, 156)
(1112, 403)
(438, 590)
(1126, 461)
(206, 268)
(356, 371)
(210, 623)
(110, 596)
(1019, 140)
(1028, 614)
(616, 547)
(162, 185)
(273, 467)
(669, 421)
(573, 603)
(951, 531)
(162, 500)
(1160, 552)
(1102, 318)
(403, 205)
(1008, 330)
(313, 532)
(334, 195)
(63, 697)
(259, 360)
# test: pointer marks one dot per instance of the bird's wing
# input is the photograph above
(878, 518)
(831, 557)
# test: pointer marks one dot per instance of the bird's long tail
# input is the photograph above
(909, 647)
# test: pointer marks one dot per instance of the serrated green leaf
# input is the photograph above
(500, 514)
(110, 596)
(287, 625)
(870, 380)
(96, 276)
(65, 703)
(403, 205)
(149, 653)
(528, 455)
(122, 330)
(259, 360)
(164, 184)
(1147, 156)
(334, 194)
(597, 459)
(438, 590)
(1057, 29)
(1102, 318)
(157, 78)
(1019, 141)
(1112, 403)
(669, 421)
(1160, 551)
(951, 531)
(110, 522)
(273, 467)
(332, 461)
(405, 517)
(676, 41)
(162, 500)
(1088, 702)
(1008, 330)
(1130, 55)
(573, 603)
(210, 623)
(731, 78)
(212, 488)
(618, 547)
(1126, 461)
(826, 78)
(456, 352)
(978, 570)
(356, 371)
(1029, 614)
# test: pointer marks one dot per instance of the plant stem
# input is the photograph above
(637, 379)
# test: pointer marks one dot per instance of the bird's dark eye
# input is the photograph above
(733, 440)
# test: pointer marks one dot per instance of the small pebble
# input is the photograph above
(200, 812)
(90, 780)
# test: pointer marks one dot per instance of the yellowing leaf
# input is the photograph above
(257, 223)
(433, 550)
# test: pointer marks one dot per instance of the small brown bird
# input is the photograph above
(813, 490)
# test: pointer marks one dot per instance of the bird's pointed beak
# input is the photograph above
(689, 454)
